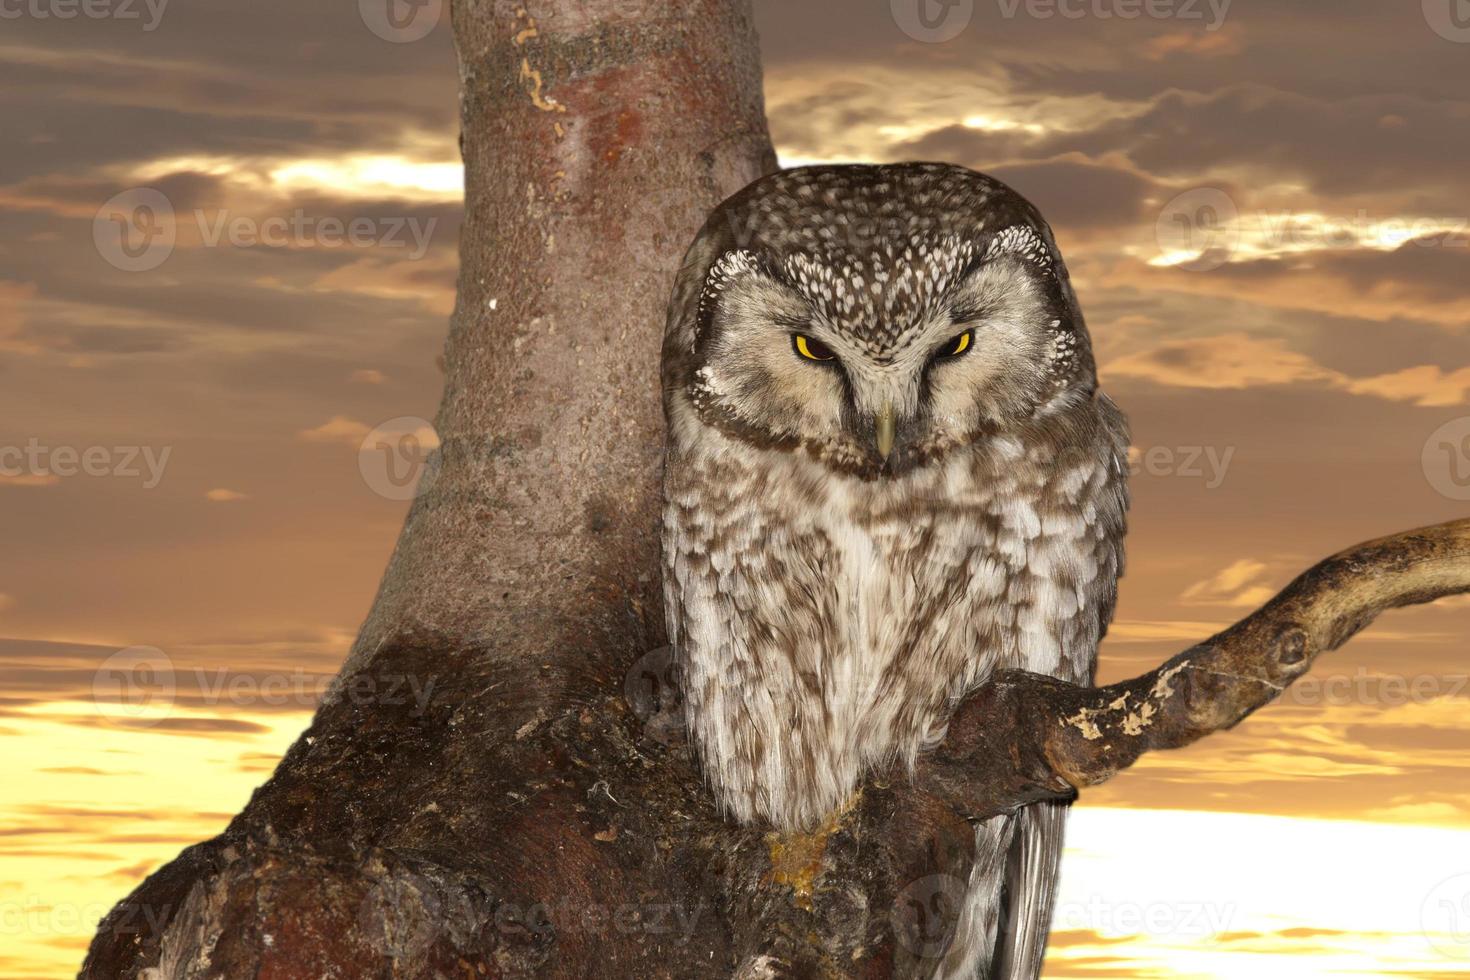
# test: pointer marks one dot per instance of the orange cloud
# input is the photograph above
(12, 296)
(1225, 41)
(338, 429)
(29, 480)
(425, 281)
(1233, 585)
(1239, 360)
(1425, 385)
(1234, 360)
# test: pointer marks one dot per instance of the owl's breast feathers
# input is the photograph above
(825, 624)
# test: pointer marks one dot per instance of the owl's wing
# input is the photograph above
(1029, 893)
(670, 544)
(1002, 930)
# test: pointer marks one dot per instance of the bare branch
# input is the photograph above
(1023, 737)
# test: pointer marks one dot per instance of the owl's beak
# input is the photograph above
(883, 430)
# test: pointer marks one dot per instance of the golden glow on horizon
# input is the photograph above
(1269, 234)
(990, 124)
(93, 807)
(374, 174)
(1244, 895)
(355, 175)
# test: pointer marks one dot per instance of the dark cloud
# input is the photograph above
(1079, 194)
(1396, 141)
(186, 726)
(975, 148)
(1374, 47)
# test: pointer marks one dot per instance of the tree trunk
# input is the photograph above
(597, 136)
(596, 140)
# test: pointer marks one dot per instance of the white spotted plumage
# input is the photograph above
(829, 605)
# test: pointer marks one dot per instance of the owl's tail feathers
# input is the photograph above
(1030, 891)
(1003, 928)
(972, 949)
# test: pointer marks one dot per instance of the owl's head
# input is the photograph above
(875, 317)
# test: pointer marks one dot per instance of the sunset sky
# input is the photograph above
(1266, 210)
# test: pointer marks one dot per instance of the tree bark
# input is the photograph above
(597, 136)
(538, 812)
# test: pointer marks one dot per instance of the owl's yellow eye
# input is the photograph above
(958, 345)
(811, 348)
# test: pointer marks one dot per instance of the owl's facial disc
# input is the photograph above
(777, 368)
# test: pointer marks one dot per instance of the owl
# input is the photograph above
(889, 472)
